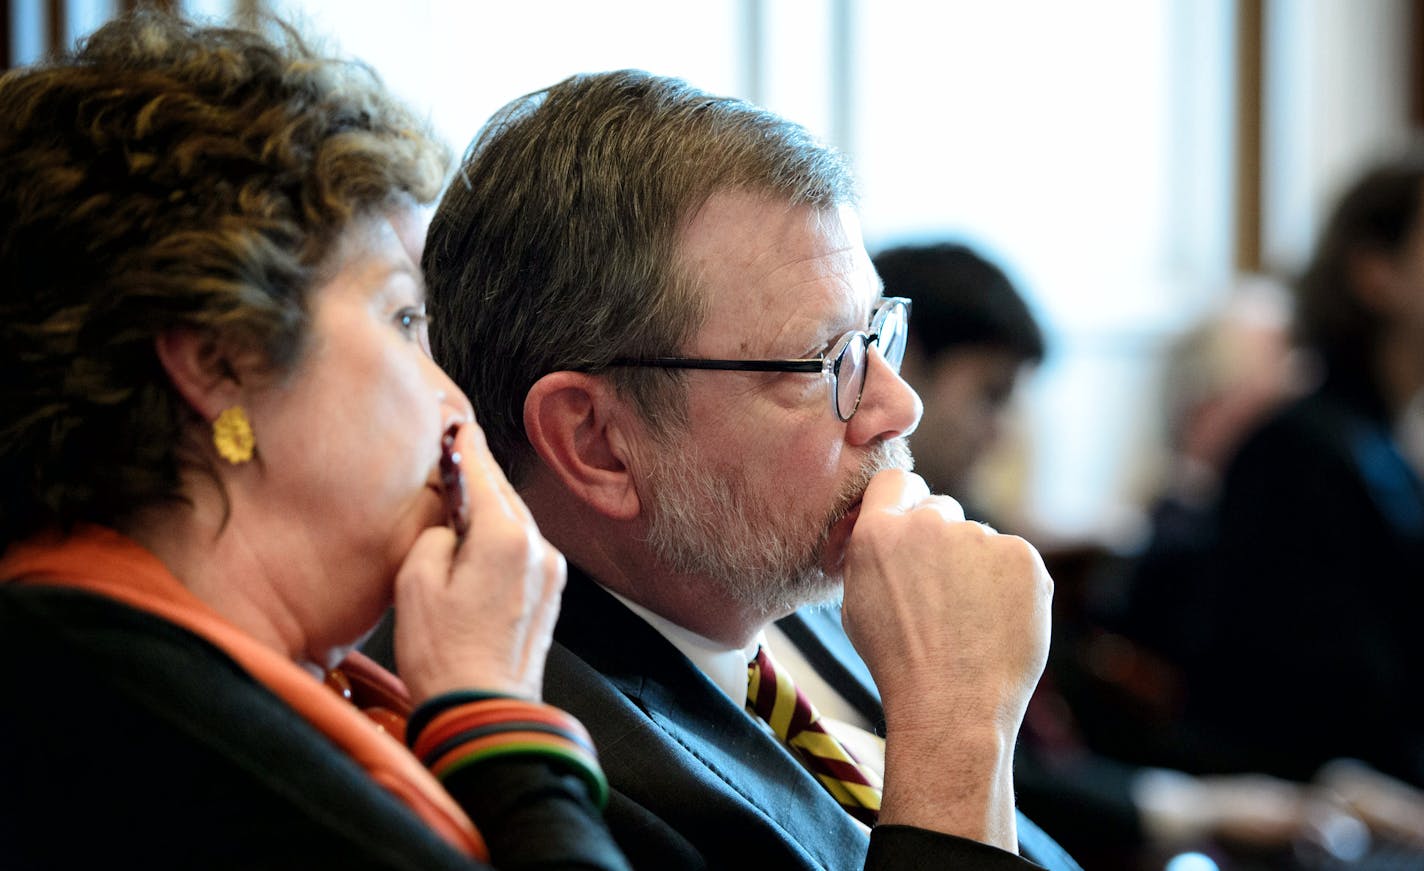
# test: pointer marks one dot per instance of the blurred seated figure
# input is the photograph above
(1318, 583)
(1220, 379)
(971, 339)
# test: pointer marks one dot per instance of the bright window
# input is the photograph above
(1085, 146)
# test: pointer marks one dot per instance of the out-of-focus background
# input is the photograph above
(1124, 159)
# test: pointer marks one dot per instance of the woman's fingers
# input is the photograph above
(479, 611)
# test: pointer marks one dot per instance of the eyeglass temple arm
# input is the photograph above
(809, 365)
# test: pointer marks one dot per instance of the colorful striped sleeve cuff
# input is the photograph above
(456, 731)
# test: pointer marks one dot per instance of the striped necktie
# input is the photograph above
(772, 696)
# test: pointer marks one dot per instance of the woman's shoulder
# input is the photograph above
(139, 733)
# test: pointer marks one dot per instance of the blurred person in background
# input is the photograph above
(1219, 381)
(971, 340)
(224, 451)
(1317, 583)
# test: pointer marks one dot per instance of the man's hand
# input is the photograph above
(953, 620)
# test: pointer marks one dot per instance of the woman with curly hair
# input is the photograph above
(224, 452)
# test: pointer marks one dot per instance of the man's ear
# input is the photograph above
(576, 423)
(198, 370)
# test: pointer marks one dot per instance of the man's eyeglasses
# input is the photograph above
(844, 365)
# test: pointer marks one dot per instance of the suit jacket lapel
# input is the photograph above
(736, 753)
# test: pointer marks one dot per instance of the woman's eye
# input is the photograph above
(412, 321)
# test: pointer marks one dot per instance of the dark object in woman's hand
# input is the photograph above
(452, 483)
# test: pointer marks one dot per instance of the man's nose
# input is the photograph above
(889, 407)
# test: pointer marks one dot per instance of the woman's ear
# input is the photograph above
(198, 370)
(577, 425)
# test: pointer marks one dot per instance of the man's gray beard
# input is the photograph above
(710, 523)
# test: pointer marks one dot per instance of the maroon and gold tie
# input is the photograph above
(772, 696)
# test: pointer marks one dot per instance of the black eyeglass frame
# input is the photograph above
(828, 364)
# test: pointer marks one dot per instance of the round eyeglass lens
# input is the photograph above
(850, 376)
(892, 329)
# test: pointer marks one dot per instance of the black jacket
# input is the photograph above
(126, 741)
(1315, 649)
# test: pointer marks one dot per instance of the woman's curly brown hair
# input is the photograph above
(167, 176)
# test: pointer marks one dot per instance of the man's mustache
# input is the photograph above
(892, 454)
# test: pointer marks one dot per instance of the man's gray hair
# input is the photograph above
(555, 247)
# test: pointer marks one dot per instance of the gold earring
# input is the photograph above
(232, 436)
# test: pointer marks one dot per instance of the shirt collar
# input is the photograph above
(724, 666)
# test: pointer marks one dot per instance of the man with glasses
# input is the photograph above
(660, 302)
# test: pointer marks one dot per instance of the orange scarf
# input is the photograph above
(101, 561)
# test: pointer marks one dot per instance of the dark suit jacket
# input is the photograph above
(1315, 649)
(699, 784)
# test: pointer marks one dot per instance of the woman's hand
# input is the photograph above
(478, 613)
